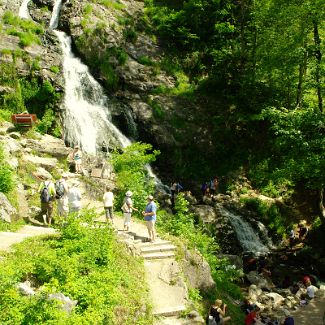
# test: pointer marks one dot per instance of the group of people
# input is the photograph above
(210, 188)
(68, 197)
(149, 214)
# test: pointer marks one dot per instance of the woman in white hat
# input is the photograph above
(127, 209)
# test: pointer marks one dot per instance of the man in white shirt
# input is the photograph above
(108, 199)
(74, 197)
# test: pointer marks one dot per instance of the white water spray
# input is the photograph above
(247, 237)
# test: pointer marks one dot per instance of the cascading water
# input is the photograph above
(23, 10)
(247, 237)
(87, 120)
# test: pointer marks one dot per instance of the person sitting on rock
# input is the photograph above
(217, 313)
(252, 317)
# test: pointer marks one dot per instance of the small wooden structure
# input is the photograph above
(24, 120)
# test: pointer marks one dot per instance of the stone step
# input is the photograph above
(169, 311)
(157, 248)
(158, 242)
(155, 256)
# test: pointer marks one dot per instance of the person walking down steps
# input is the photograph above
(127, 209)
(108, 199)
(47, 195)
(150, 216)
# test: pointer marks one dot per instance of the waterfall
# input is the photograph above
(87, 119)
(55, 14)
(247, 237)
(23, 10)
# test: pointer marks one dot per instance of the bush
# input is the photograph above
(6, 174)
(132, 174)
(86, 264)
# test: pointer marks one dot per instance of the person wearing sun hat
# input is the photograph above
(150, 216)
(127, 209)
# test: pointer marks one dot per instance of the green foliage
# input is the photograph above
(55, 69)
(27, 30)
(132, 174)
(7, 182)
(130, 34)
(145, 60)
(270, 214)
(298, 146)
(86, 264)
(12, 226)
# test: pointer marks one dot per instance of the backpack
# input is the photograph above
(45, 194)
(59, 189)
(125, 208)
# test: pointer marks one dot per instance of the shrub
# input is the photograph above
(130, 167)
(6, 174)
(84, 263)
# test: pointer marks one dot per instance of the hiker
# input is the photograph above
(127, 209)
(288, 318)
(61, 189)
(47, 195)
(303, 230)
(247, 306)
(76, 156)
(74, 197)
(175, 189)
(150, 216)
(204, 188)
(217, 313)
(311, 290)
(108, 199)
(213, 185)
(292, 237)
(252, 317)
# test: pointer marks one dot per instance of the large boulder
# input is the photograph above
(206, 213)
(47, 163)
(7, 211)
(49, 145)
(197, 271)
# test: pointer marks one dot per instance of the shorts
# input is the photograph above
(150, 225)
(127, 218)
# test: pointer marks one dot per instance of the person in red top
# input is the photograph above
(251, 317)
(306, 280)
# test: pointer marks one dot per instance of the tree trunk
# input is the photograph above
(302, 73)
(321, 206)
(318, 56)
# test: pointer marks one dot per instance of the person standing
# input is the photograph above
(47, 195)
(127, 209)
(61, 189)
(108, 199)
(74, 197)
(76, 156)
(150, 216)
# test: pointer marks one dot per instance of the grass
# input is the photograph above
(86, 264)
